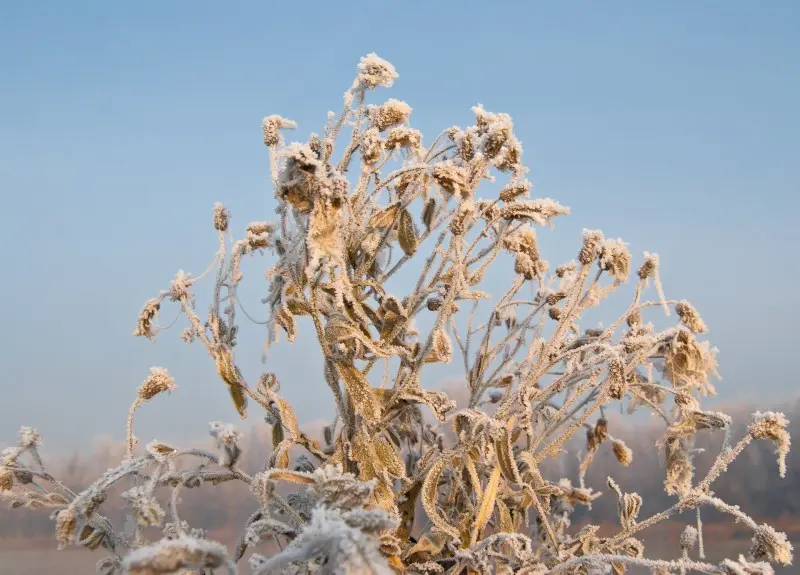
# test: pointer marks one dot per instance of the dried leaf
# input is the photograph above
(288, 418)
(407, 233)
(429, 212)
(506, 521)
(487, 503)
(360, 392)
(280, 456)
(277, 435)
(505, 457)
(430, 543)
(285, 319)
(230, 375)
(430, 489)
(298, 307)
(474, 479)
(389, 458)
(441, 349)
(384, 218)
(291, 476)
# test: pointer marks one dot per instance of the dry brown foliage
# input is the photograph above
(535, 378)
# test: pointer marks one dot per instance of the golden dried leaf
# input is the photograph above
(442, 349)
(360, 392)
(389, 458)
(230, 375)
(506, 521)
(285, 319)
(429, 496)
(91, 538)
(431, 543)
(291, 476)
(505, 457)
(288, 418)
(407, 233)
(324, 226)
(384, 496)
(277, 435)
(396, 564)
(407, 509)
(279, 458)
(298, 307)
(487, 503)
(239, 400)
(429, 212)
(384, 218)
(474, 479)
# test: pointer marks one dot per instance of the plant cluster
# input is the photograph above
(349, 220)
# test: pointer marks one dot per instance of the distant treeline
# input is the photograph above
(752, 482)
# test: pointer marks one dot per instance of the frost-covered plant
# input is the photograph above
(349, 220)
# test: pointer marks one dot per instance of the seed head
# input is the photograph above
(371, 146)
(66, 523)
(689, 538)
(451, 178)
(772, 426)
(403, 137)
(28, 437)
(389, 114)
(272, 126)
(144, 323)
(565, 269)
(622, 452)
(157, 382)
(227, 438)
(374, 71)
(689, 317)
(650, 266)
(221, 217)
(615, 258)
(771, 545)
(179, 287)
(513, 191)
(591, 241)
(434, 303)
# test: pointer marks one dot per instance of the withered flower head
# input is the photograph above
(391, 113)
(157, 382)
(615, 258)
(144, 323)
(221, 217)
(374, 71)
(403, 137)
(592, 239)
(772, 425)
(272, 126)
(515, 190)
(650, 266)
(771, 545)
(689, 317)
(622, 452)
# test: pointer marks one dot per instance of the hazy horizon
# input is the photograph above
(673, 126)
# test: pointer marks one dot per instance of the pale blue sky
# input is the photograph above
(673, 125)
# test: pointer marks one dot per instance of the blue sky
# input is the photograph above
(673, 125)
